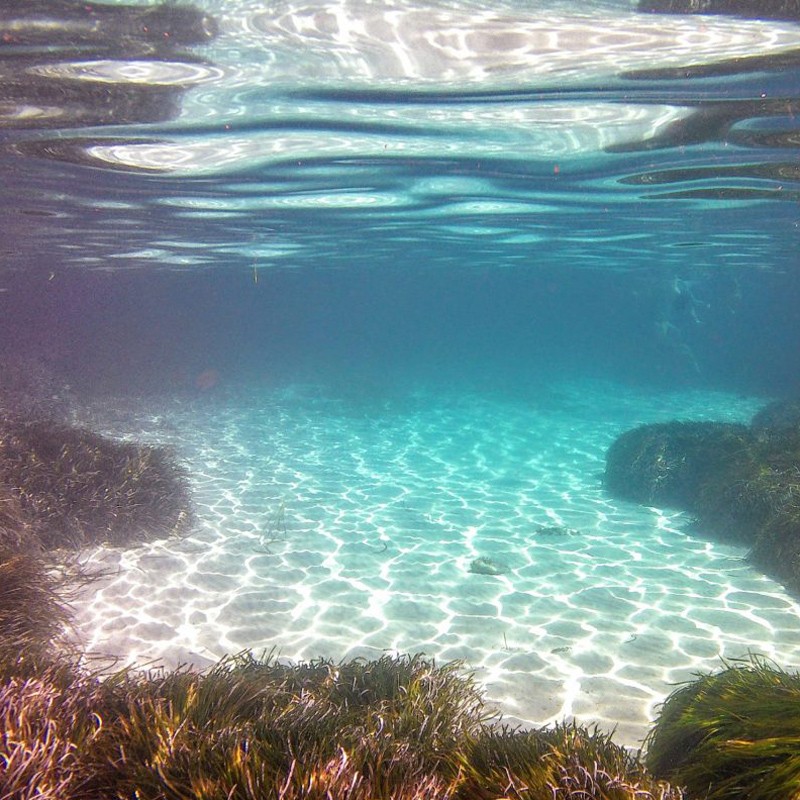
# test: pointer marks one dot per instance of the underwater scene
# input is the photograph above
(456, 328)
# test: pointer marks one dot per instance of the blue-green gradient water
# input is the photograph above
(452, 191)
(404, 270)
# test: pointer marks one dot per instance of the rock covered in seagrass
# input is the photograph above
(741, 482)
(667, 463)
(777, 419)
(72, 487)
(732, 734)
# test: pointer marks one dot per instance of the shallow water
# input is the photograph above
(333, 526)
(392, 277)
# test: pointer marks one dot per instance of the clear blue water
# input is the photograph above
(310, 203)
(390, 209)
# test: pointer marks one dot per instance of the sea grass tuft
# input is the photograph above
(733, 734)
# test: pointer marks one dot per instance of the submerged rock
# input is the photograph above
(555, 530)
(742, 483)
(487, 566)
(777, 418)
(72, 487)
(667, 463)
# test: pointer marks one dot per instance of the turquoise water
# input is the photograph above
(350, 527)
(385, 190)
(391, 277)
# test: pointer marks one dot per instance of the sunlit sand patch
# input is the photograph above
(329, 530)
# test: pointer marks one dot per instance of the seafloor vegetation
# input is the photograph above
(741, 482)
(65, 486)
(732, 735)
(256, 729)
(397, 727)
(253, 728)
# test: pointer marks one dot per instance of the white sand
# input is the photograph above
(386, 505)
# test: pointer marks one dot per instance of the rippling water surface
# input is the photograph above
(391, 134)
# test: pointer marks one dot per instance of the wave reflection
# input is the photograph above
(159, 73)
(392, 120)
(378, 44)
(542, 131)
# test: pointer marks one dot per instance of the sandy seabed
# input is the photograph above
(341, 527)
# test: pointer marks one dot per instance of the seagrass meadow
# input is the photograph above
(397, 727)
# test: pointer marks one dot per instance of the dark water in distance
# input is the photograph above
(378, 194)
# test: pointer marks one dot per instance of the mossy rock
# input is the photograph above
(735, 734)
(667, 463)
(779, 418)
(742, 484)
(776, 550)
(757, 500)
(72, 487)
(740, 501)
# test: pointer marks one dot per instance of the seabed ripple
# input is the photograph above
(342, 528)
